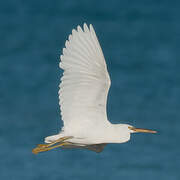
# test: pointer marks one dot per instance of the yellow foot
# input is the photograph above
(42, 149)
(47, 147)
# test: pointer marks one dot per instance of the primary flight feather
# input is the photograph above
(83, 97)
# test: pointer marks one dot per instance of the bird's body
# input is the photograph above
(83, 96)
(109, 133)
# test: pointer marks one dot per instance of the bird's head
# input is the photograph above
(122, 132)
(135, 130)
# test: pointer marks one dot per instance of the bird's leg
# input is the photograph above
(37, 149)
(54, 142)
(58, 145)
(47, 147)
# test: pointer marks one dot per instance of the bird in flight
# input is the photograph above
(83, 97)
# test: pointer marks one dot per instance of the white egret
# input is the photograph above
(82, 97)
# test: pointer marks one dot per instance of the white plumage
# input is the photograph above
(83, 95)
(84, 85)
(85, 82)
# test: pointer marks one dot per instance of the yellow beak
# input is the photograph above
(142, 130)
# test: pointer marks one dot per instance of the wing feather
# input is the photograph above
(85, 82)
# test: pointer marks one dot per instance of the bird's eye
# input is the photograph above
(130, 127)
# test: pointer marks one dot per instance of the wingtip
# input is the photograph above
(84, 24)
(79, 29)
(74, 32)
(91, 28)
(86, 29)
(70, 37)
(66, 43)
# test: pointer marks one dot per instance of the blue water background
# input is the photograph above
(140, 40)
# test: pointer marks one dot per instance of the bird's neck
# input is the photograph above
(117, 133)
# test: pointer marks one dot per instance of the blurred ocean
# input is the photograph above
(140, 40)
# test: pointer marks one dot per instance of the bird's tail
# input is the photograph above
(53, 138)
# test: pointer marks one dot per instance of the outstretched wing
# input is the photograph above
(85, 82)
